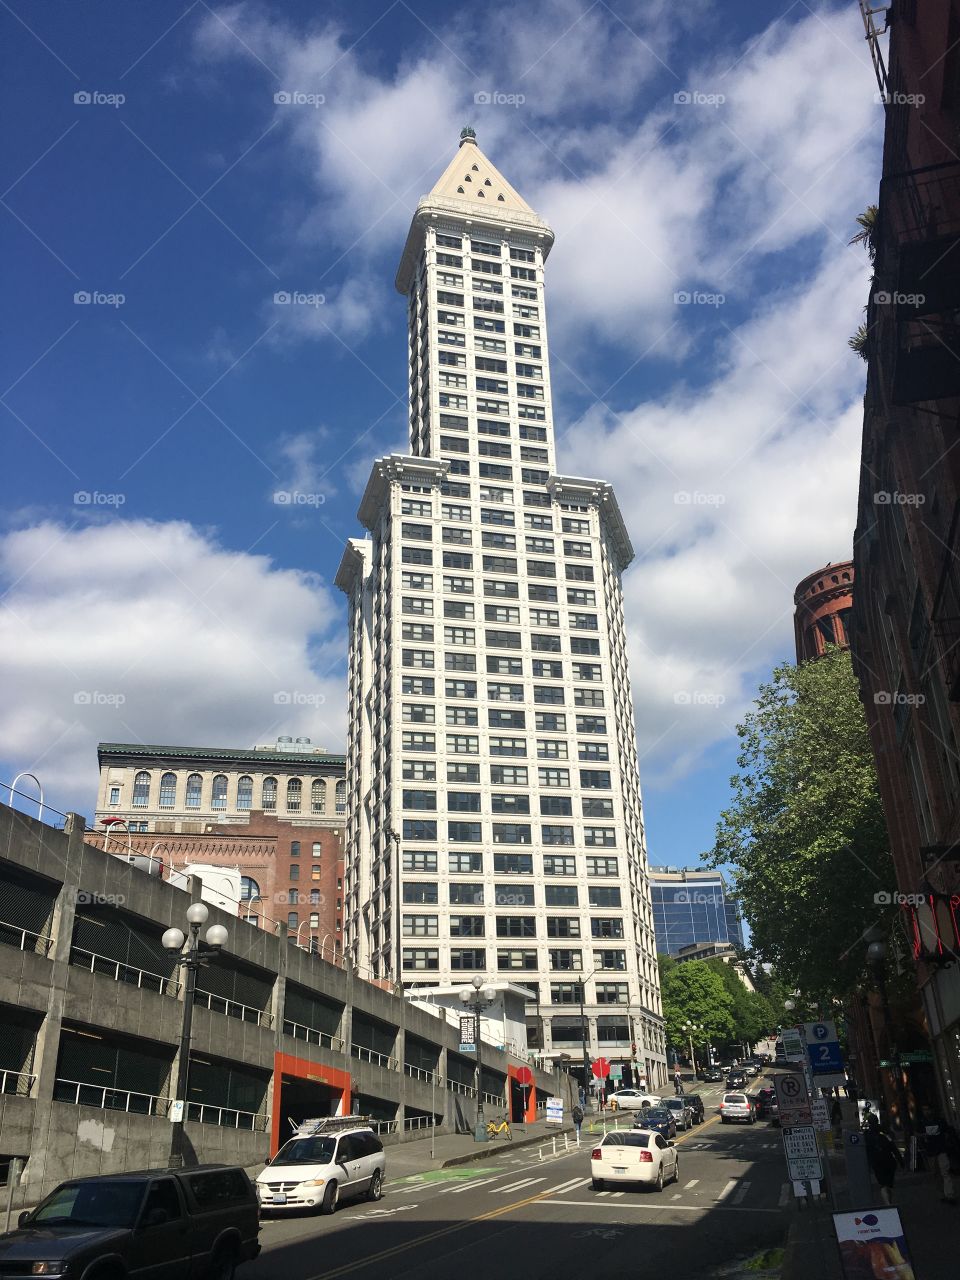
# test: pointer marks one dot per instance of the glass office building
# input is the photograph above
(692, 906)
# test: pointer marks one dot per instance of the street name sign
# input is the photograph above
(803, 1156)
(792, 1098)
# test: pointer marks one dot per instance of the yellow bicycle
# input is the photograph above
(499, 1128)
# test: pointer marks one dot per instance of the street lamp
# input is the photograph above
(583, 1038)
(689, 1028)
(192, 959)
(395, 897)
(477, 1002)
(876, 959)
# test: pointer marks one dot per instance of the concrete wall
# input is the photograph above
(61, 1139)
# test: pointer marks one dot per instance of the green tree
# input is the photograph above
(692, 992)
(753, 1016)
(805, 833)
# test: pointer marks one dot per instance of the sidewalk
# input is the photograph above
(932, 1229)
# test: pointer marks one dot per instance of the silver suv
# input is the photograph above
(321, 1166)
(737, 1106)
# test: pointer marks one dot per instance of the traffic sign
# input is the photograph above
(524, 1076)
(819, 1032)
(823, 1051)
(601, 1068)
(803, 1156)
(793, 1099)
(793, 1047)
(820, 1113)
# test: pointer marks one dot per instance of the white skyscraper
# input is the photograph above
(492, 746)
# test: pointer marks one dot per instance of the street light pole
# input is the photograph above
(472, 998)
(191, 960)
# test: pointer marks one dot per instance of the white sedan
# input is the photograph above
(632, 1100)
(634, 1155)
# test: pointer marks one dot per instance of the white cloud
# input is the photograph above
(136, 631)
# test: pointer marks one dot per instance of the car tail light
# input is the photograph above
(646, 1157)
(722, 1105)
(595, 1154)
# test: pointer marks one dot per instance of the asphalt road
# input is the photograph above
(517, 1217)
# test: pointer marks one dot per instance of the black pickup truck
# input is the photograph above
(179, 1224)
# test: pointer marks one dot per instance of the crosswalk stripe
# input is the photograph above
(742, 1193)
(516, 1186)
(568, 1186)
(692, 1183)
(727, 1189)
(784, 1196)
(459, 1188)
(615, 1194)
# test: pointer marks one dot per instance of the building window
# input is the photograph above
(294, 795)
(194, 790)
(245, 793)
(292, 918)
(220, 791)
(318, 796)
(294, 872)
(317, 848)
(141, 790)
(341, 796)
(315, 872)
(168, 790)
(294, 848)
(114, 795)
(269, 794)
(249, 889)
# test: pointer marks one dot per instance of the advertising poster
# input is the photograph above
(872, 1244)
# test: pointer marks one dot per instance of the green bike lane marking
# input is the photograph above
(459, 1173)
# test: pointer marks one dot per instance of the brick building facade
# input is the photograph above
(822, 605)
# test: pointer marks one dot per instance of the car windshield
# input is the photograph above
(626, 1140)
(91, 1204)
(306, 1151)
(658, 1115)
(675, 1104)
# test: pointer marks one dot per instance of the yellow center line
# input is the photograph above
(392, 1252)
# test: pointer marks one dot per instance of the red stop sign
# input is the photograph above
(524, 1075)
(601, 1068)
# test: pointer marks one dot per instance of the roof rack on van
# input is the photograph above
(328, 1124)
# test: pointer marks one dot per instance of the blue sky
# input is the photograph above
(174, 599)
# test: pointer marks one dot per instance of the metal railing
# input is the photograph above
(107, 1098)
(226, 1117)
(495, 1098)
(370, 1055)
(12, 935)
(121, 972)
(19, 1082)
(419, 1122)
(467, 1090)
(384, 1126)
(312, 1035)
(418, 1073)
(232, 1008)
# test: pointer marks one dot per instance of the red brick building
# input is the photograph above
(905, 635)
(822, 605)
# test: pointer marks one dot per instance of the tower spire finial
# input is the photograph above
(468, 134)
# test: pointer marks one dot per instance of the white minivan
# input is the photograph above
(316, 1170)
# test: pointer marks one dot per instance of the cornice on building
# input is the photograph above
(601, 495)
(116, 752)
(396, 466)
(353, 562)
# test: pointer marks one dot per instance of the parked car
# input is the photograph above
(695, 1103)
(762, 1100)
(634, 1155)
(737, 1106)
(659, 1120)
(710, 1075)
(160, 1224)
(682, 1113)
(319, 1169)
(632, 1100)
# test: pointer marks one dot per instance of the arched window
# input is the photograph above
(317, 849)
(249, 889)
(342, 796)
(141, 790)
(245, 793)
(318, 796)
(292, 920)
(269, 793)
(220, 791)
(168, 791)
(194, 790)
(294, 848)
(294, 794)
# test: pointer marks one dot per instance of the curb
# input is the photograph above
(486, 1154)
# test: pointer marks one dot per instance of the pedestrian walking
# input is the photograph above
(677, 1082)
(577, 1115)
(882, 1156)
(942, 1145)
(583, 1096)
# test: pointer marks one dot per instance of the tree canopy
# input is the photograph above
(693, 992)
(805, 833)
